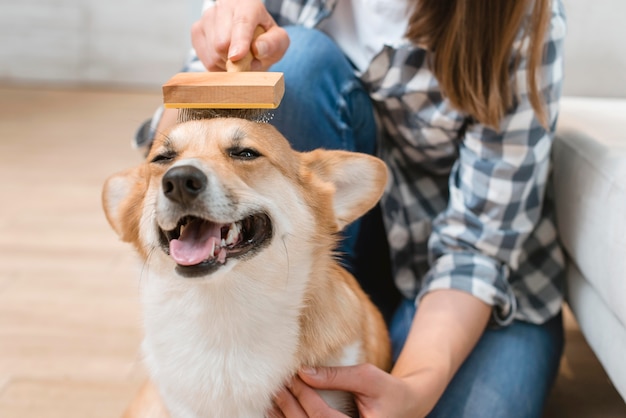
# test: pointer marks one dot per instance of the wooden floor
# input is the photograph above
(69, 315)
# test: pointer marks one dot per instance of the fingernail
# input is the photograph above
(311, 371)
(261, 49)
(232, 52)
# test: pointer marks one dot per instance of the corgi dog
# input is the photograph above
(241, 285)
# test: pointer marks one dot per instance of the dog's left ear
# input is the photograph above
(359, 181)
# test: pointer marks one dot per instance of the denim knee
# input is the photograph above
(325, 104)
(312, 54)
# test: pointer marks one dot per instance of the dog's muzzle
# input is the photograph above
(197, 244)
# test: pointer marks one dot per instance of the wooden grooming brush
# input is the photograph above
(238, 92)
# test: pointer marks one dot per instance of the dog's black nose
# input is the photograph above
(183, 184)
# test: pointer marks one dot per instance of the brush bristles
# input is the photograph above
(255, 115)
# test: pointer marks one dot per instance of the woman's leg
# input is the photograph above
(325, 104)
(508, 374)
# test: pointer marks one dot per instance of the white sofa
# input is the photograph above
(590, 190)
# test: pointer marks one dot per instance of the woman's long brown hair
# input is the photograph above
(472, 51)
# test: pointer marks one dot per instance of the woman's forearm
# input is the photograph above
(446, 327)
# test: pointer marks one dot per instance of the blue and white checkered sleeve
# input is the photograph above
(496, 193)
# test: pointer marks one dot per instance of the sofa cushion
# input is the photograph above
(605, 334)
(590, 190)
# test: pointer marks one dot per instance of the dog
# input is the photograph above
(241, 283)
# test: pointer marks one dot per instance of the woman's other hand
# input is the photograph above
(376, 393)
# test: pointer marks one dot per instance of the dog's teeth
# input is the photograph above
(221, 256)
(182, 229)
(223, 242)
(233, 234)
(211, 252)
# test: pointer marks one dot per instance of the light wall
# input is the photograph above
(136, 43)
(595, 54)
(141, 43)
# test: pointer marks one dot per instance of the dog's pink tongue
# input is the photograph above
(196, 243)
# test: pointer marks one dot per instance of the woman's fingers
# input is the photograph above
(226, 31)
(270, 47)
(363, 379)
(287, 405)
(299, 400)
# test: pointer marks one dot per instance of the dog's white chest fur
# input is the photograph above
(217, 349)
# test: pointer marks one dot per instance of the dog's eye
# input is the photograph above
(164, 157)
(244, 153)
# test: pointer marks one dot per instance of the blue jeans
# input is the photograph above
(511, 370)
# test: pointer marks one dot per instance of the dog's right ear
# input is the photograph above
(358, 181)
(122, 201)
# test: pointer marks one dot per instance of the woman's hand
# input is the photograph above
(376, 393)
(225, 32)
(444, 330)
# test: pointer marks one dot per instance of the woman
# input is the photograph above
(460, 99)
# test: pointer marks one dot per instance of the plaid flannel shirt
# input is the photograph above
(465, 208)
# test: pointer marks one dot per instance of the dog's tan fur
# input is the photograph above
(289, 304)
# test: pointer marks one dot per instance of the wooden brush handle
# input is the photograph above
(244, 63)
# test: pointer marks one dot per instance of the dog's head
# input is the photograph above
(215, 192)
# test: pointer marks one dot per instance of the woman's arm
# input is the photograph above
(446, 327)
